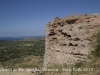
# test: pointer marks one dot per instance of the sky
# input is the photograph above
(29, 17)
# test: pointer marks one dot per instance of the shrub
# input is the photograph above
(79, 64)
(97, 50)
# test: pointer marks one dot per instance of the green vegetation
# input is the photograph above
(14, 52)
(29, 53)
(79, 64)
(97, 51)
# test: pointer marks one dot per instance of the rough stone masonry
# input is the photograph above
(69, 40)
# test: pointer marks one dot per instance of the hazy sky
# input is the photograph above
(29, 17)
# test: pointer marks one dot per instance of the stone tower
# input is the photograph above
(69, 40)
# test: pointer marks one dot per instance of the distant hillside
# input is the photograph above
(19, 38)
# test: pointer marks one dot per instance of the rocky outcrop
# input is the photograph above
(69, 40)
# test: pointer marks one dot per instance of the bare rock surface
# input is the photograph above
(68, 40)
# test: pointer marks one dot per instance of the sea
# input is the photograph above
(19, 38)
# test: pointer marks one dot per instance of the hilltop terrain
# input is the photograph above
(71, 47)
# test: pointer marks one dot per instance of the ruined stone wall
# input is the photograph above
(68, 40)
